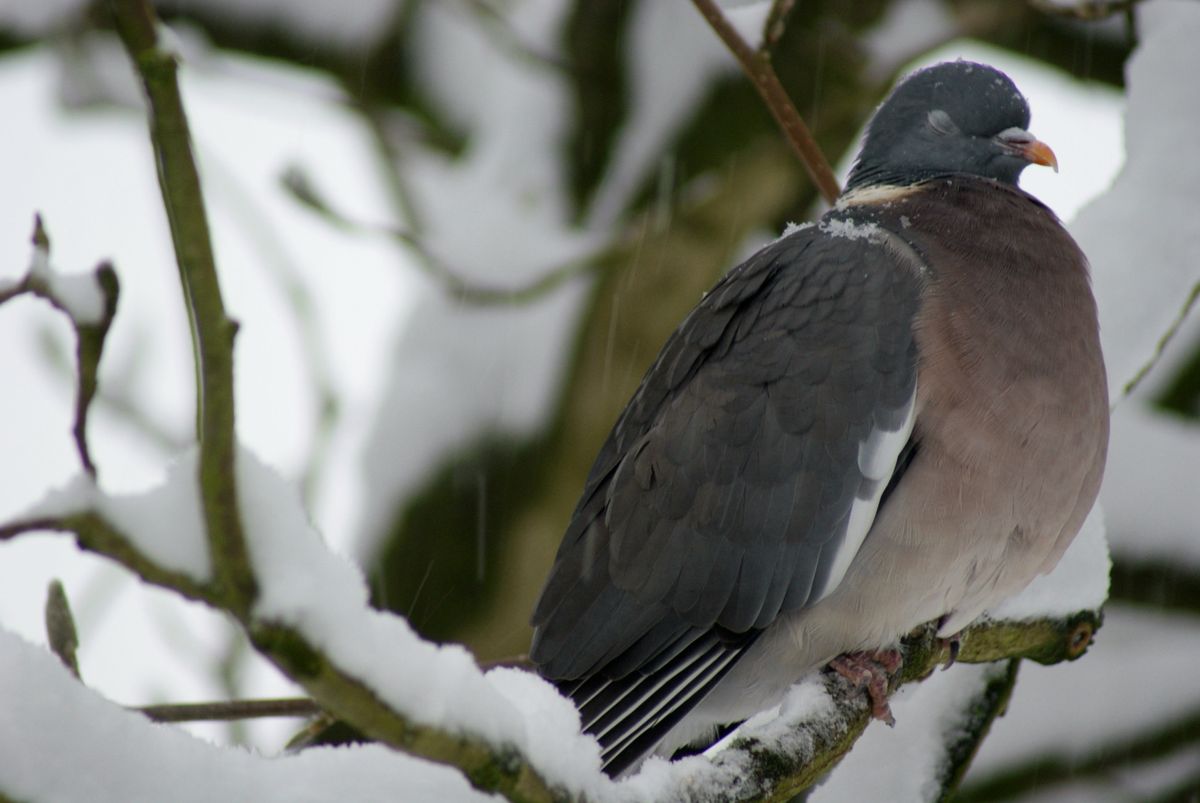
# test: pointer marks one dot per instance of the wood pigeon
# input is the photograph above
(894, 416)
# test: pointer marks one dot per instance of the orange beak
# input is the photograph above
(1039, 153)
(1020, 142)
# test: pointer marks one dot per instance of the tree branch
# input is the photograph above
(212, 331)
(1185, 308)
(773, 771)
(757, 66)
(1085, 10)
(453, 282)
(90, 314)
(229, 710)
(95, 534)
(989, 704)
(780, 770)
(1046, 771)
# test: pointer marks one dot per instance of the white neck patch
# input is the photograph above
(877, 194)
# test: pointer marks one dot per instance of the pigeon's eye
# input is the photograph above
(940, 122)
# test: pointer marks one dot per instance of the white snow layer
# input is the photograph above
(63, 743)
(1078, 583)
(1149, 492)
(905, 763)
(78, 293)
(1141, 237)
(324, 597)
(164, 523)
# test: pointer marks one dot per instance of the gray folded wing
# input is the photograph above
(744, 474)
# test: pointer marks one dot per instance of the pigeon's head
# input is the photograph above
(954, 117)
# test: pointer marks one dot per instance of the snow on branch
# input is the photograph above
(90, 302)
(507, 731)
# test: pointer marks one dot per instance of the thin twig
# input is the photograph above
(281, 265)
(455, 284)
(212, 330)
(509, 39)
(229, 710)
(1086, 10)
(1048, 769)
(776, 24)
(1163, 341)
(90, 335)
(116, 397)
(757, 65)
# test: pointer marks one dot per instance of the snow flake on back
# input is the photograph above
(849, 229)
(792, 228)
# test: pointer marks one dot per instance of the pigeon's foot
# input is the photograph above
(871, 671)
(951, 643)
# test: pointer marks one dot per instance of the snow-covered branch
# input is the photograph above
(370, 669)
(90, 302)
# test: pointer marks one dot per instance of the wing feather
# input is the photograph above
(738, 484)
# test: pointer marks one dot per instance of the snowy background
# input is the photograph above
(357, 373)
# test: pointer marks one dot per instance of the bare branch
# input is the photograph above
(1164, 340)
(757, 65)
(1149, 745)
(91, 325)
(455, 284)
(776, 23)
(226, 710)
(229, 710)
(96, 534)
(1086, 10)
(212, 331)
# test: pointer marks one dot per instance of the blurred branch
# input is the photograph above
(280, 265)
(981, 712)
(1161, 583)
(1167, 336)
(757, 66)
(227, 710)
(115, 396)
(1086, 10)
(459, 287)
(1146, 746)
(91, 325)
(212, 331)
(776, 24)
(493, 21)
(60, 627)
